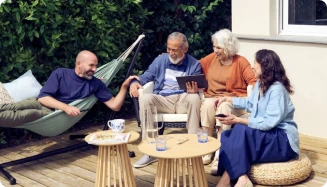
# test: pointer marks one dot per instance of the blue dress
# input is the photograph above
(270, 136)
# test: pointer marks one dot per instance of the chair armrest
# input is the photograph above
(147, 89)
(249, 89)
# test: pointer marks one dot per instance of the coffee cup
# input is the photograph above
(117, 125)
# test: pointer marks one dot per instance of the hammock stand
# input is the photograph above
(53, 119)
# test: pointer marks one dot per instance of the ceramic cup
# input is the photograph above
(117, 125)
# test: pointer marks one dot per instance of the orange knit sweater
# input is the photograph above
(240, 75)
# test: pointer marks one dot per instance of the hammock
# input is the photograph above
(58, 122)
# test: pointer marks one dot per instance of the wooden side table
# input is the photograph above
(114, 165)
(181, 163)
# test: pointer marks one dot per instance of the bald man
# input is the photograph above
(63, 87)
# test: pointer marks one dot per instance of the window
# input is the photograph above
(304, 17)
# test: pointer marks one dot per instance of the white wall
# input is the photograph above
(306, 66)
(305, 63)
(252, 17)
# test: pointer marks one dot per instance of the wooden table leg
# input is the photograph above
(127, 167)
(100, 180)
(199, 176)
(163, 175)
(168, 172)
(114, 160)
(190, 172)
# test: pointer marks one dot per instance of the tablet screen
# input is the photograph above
(200, 79)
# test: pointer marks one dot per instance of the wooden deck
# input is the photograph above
(77, 168)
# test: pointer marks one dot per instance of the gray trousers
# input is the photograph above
(22, 112)
(173, 104)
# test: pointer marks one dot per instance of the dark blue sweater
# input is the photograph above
(66, 86)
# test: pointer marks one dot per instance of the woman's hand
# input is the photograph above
(192, 87)
(229, 120)
(221, 100)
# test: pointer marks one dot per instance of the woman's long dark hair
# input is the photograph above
(272, 70)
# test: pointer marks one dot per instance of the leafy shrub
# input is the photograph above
(198, 20)
(43, 35)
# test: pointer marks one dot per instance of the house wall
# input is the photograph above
(255, 23)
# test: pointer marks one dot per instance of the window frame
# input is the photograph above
(291, 29)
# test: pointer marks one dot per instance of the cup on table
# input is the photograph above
(117, 125)
(161, 143)
(202, 135)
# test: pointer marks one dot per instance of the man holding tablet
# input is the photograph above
(167, 96)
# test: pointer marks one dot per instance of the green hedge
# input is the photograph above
(43, 35)
(47, 34)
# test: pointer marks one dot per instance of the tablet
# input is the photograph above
(200, 79)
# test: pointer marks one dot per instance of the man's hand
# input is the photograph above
(51, 102)
(221, 100)
(192, 87)
(133, 90)
(72, 111)
(129, 80)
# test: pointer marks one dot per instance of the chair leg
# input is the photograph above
(161, 127)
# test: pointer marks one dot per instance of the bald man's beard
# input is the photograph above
(87, 74)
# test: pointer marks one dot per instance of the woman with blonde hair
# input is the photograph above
(228, 74)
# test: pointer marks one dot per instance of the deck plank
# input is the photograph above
(77, 168)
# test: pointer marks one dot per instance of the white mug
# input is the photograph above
(117, 125)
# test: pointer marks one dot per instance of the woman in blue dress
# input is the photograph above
(269, 134)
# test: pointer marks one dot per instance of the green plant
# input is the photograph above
(198, 20)
(43, 35)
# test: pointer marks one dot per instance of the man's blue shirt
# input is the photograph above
(66, 86)
(164, 74)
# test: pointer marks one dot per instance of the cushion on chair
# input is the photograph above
(172, 117)
(281, 173)
(4, 96)
(23, 87)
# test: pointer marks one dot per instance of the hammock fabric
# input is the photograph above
(58, 121)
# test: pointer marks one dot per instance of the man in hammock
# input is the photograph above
(63, 87)
(167, 96)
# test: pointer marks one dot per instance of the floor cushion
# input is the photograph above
(281, 173)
